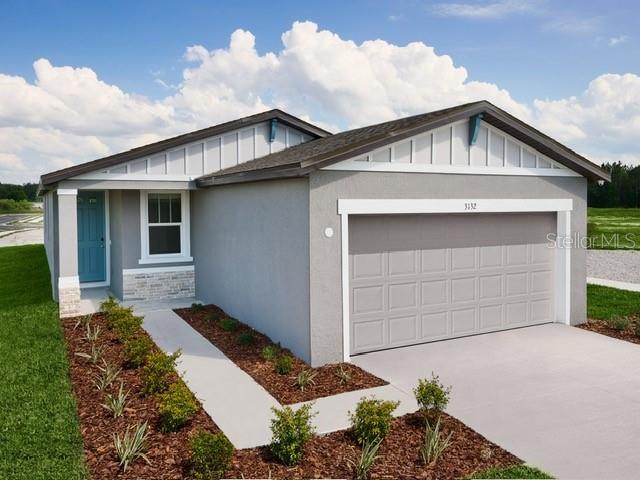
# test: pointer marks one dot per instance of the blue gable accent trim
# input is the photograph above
(474, 128)
(274, 128)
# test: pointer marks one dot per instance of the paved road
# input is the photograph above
(618, 265)
(561, 398)
(21, 229)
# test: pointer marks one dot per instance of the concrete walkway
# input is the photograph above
(561, 398)
(234, 400)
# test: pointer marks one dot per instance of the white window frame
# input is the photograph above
(185, 230)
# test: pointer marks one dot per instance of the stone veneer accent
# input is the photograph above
(69, 301)
(148, 285)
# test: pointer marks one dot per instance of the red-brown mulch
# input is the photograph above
(332, 455)
(327, 456)
(248, 358)
(167, 452)
(602, 327)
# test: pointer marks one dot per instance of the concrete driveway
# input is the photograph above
(562, 399)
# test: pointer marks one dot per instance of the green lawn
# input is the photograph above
(604, 302)
(614, 228)
(520, 471)
(39, 433)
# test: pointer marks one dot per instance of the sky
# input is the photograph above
(81, 80)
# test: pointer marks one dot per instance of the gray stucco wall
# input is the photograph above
(326, 187)
(251, 245)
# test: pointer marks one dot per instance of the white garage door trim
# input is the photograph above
(562, 206)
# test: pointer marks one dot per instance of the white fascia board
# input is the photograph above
(136, 177)
(452, 205)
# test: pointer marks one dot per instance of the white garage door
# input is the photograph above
(419, 278)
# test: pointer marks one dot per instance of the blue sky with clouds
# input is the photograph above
(79, 79)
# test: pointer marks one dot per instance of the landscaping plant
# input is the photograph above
(434, 443)
(306, 378)
(158, 372)
(636, 328)
(115, 402)
(197, 307)
(210, 455)
(136, 350)
(83, 321)
(343, 375)
(131, 445)
(107, 375)
(125, 325)
(246, 339)
(432, 397)
(213, 317)
(283, 365)
(229, 324)
(92, 334)
(618, 322)
(109, 304)
(94, 355)
(177, 406)
(270, 353)
(372, 419)
(368, 456)
(291, 430)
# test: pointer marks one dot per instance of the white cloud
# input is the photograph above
(613, 41)
(68, 115)
(573, 25)
(483, 11)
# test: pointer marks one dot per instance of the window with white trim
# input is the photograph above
(165, 227)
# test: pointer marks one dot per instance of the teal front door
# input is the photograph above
(91, 237)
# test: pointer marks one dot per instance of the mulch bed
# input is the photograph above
(282, 387)
(326, 456)
(332, 455)
(602, 327)
(167, 452)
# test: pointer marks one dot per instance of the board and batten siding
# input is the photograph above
(209, 155)
(447, 150)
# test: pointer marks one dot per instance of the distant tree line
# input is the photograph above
(27, 191)
(622, 191)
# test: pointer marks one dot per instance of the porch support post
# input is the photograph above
(68, 280)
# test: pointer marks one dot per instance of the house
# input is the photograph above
(425, 228)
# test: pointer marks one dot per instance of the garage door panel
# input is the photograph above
(367, 265)
(403, 295)
(446, 287)
(368, 299)
(403, 330)
(463, 289)
(403, 263)
(463, 322)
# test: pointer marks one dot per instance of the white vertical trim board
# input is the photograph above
(562, 207)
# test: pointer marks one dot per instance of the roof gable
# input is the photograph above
(157, 157)
(351, 144)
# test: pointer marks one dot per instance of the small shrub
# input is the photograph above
(434, 444)
(197, 307)
(158, 372)
(229, 324)
(115, 402)
(343, 374)
(210, 455)
(107, 375)
(126, 325)
(283, 365)
(109, 304)
(367, 458)
(131, 445)
(213, 317)
(94, 355)
(306, 378)
(372, 419)
(177, 406)
(115, 314)
(432, 397)
(291, 430)
(137, 349)
(83, 321)
(246, 339)
(618, 322)
(270, 353)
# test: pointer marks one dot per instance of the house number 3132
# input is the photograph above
(470, 206)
